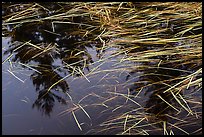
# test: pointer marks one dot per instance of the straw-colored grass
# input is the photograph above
(163, 42)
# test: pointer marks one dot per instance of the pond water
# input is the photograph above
(19, 96)
(61, 82)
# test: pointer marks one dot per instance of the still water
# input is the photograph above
(25, 112)
(21, 116)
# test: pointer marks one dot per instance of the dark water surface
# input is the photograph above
(25, 112)
(21, 116)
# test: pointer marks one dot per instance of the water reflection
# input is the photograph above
(43, 80)
(52, 57)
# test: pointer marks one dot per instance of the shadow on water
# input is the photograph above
(154, 81)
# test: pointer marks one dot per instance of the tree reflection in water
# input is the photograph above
(44, 48)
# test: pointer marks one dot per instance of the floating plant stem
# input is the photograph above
(164, 128)
(30, 67)
(168, 103)
(188, 110)
(7, 58)
(133, 125)
(83, 75)
(179, 128)
(15, 76)
(125, 122)
(22, 45)
(62, 22)
(84, 111)
(57, 82)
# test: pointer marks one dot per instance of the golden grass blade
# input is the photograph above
(117, 108)
(171, 132)
(83, 75)
(76, 120)
(63, 22)
(133, 126)
(179, 128)
(176, 118)
(30, 67)
(84, 111)
(102, 78)
(126, 97)
(189, 83)
(20, 13)
(34, 46)
(185, 103)
(125, 122)
(164, 128)
(22, 45)
(7, 58)
(58, 82)
(137, 95)
(168, 103)
(189, 111)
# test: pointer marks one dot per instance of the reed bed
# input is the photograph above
(162, 42)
